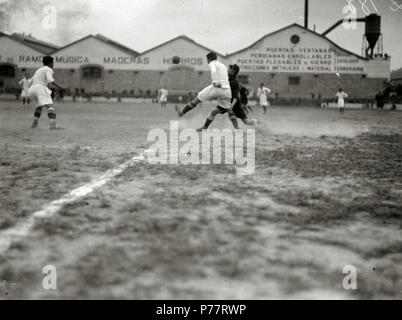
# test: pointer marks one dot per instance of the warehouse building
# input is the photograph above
(110, 68)
(13, 65)
(295, 62)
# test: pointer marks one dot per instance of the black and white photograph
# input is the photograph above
(194, 150)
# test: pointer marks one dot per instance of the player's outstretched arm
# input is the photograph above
(57, 85)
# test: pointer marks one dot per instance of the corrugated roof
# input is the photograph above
(185, 38)
(30, 41)
(103, 39)
(116, 44)
(42, 46)
(24, 43)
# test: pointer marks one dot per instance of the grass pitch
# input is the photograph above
(326, 193)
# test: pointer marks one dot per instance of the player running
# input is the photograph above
(163, 97)
(263, 93)
(41, 94)
(218, 90)
(236, 109)
(25, 83)
(341, 95)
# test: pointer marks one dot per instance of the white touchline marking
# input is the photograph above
(57, 147)
(22, 229)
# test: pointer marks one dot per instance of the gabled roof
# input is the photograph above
(2, 34)
(184, 37)
(299, 26)
(103, 39)
(73, 43)
(34, 43)
(116, 44)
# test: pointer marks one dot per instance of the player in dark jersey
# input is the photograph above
(236, 110)
(244, 98)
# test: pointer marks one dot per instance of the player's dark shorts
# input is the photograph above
(237, 110)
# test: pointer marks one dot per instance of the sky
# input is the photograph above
(222, 25)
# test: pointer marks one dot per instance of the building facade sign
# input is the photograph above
(295, 50)
(290, 50)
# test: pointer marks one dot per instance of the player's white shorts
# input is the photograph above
(223, 95)
(264, 101)
(24, 93)
(40, 94)
(163, 99)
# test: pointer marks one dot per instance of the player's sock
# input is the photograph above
(52, 118)
(234, 122)
(37, 115)
(187, 108)
(35, 123)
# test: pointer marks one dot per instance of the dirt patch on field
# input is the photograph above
(315, 204)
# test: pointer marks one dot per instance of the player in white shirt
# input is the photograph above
(218, 90)
(263, 93)
(341, 95)
(41, 94)
(25, 83)
(236, 110)
(163, 97)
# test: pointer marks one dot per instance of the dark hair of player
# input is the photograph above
(212, 56)
(47, 60)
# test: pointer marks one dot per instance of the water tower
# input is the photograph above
(372, 38)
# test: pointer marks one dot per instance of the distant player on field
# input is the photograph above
(163, 97)
(25, 83)
(218, 90)
(236, 109)
(263, 93)
(341, 95)
(380, 98)
(41, 94)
